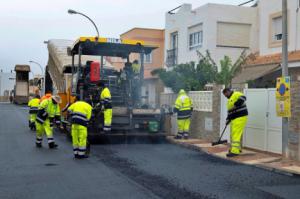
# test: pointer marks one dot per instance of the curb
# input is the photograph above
(260, 166)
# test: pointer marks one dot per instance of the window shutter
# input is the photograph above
(233, 35)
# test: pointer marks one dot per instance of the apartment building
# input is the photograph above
(264, 65)
(221, 29)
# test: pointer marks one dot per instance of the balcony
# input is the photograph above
(172, 57)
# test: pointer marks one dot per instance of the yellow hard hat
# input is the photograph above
(57, 99)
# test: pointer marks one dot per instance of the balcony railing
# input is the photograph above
(171, 57)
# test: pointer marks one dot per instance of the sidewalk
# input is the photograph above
(270, 161)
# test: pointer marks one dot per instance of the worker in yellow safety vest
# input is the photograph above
(81, 113)
(136, 67)
(183, 107)
(237, 118)
(33, 105)
(106, 104)
(48, 113)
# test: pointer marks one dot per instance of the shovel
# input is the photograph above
(220, 141)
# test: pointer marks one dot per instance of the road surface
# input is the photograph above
(123, 170)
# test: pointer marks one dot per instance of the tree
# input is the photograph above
(228, 70)
(190, 76)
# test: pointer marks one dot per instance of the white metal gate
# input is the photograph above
(263, 129)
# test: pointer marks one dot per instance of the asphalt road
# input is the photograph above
(123, 170)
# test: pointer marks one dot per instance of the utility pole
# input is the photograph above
(285, 72)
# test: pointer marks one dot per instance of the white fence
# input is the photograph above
(202, 100)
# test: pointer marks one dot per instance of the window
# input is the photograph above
(148, 58)
(195, 40)
(174, 40)
(277, 29)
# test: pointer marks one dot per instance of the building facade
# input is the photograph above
(220, 29)
(7, 82)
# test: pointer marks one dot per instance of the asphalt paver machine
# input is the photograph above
(130, 115)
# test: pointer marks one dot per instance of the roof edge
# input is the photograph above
(139, 28)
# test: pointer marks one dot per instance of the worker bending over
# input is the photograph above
(48, 113)
(81, 113)
(106, 103)
(183, 107)
(237, 117)
(33, 105)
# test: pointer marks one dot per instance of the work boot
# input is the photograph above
(76, 156)
(38, 145)
(231, 155)
(186, 136)
(52, 145)
(178, 137)
(82, 156)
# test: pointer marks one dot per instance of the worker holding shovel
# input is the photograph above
(237, 118)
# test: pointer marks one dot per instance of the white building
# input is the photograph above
(264, 65)
(7, 82)
(221, 29)
(270, 26)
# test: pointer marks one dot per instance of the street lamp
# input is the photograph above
(38, 65)
(43, 75)
(79, 13)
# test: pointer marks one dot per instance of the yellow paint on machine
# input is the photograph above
(111, 40)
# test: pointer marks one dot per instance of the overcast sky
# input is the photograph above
(26, 24)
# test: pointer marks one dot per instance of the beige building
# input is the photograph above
(152, 85)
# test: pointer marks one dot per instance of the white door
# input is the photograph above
(255, 133)
(263, 129)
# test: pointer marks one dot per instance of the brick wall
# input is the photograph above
(294, 121)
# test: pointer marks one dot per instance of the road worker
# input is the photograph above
(48, 95)
(183, 107)
(81, 113)
(106, 104)
(48, 113)
(33, 105)
(136, 67)
(237, 118)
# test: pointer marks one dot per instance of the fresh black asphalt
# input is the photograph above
(123, 170)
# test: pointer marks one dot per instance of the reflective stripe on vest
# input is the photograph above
(79, 118)
(33, 110)
(185, 114)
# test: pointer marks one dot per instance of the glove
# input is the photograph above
(57, 120)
